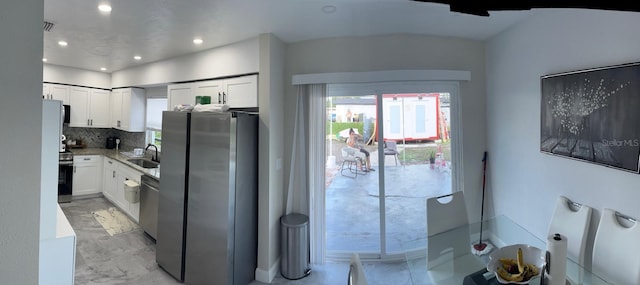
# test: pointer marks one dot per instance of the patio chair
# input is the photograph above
(391, 148)
(616, 247)
(350, 160)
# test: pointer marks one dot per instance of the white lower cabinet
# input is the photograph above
(87, 175)
(109, 179)
(127, 173)
(115, 175)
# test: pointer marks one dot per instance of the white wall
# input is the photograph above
(402, 52)
(20, 139)
(525, 183)
(271, 189)
(75, 76)
(233, 59)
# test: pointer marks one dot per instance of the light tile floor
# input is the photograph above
(129, 258)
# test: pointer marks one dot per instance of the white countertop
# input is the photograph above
(117, 155)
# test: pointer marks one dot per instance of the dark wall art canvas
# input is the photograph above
(593, 115)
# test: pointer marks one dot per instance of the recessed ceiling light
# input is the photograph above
(329, 9)
(137, 57)
(197, 41)
(103, 68)
(104, 8)
(62, 43)
(44, 59)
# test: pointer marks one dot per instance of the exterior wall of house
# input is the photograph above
(523, 182)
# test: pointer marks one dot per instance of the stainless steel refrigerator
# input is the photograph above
(208, 198)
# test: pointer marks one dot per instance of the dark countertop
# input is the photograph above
(111, 153)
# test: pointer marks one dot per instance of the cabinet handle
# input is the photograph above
(224, 98)
(114, 174)
(87, 158)
(88, 124)
(219, 98)
(74, 169)
(110, 162)
(92, 122)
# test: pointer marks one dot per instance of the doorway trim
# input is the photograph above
(379, 81)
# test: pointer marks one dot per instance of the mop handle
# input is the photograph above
(484, 171)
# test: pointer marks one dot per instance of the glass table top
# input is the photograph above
(447, 258)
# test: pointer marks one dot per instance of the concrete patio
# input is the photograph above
(353, 205)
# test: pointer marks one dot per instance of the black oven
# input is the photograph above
(65, 177)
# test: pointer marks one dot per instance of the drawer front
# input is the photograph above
(86, 158)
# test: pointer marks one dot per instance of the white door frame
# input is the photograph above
(318, 156)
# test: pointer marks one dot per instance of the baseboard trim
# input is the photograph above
(265, 276)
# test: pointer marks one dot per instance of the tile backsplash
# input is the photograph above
(97, 138)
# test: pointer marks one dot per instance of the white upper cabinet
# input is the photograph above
(79, 100)
(128, 109)
(56, 92)
(241, 92)
(89, 107)
(212, 88)
(237, 92)
(180, 94)
(99, 108)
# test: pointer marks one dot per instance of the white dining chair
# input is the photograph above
(572, 220)
(447, 256)
(616, 250)
(446, 212)
(356, 271)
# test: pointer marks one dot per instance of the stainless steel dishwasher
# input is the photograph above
(149, 187)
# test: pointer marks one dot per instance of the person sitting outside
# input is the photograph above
(352, 141)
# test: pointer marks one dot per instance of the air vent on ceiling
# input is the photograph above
(48, 26)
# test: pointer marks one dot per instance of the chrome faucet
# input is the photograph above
(154, 158)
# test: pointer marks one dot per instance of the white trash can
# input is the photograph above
(131, 191)
(294, 263)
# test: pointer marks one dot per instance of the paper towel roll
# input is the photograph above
(557, 263)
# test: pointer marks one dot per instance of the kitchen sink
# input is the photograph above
(144, 162)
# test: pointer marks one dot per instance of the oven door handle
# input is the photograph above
(65, 162)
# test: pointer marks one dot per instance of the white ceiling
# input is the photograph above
(161, 29)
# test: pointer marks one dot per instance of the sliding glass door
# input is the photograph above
(406, 133)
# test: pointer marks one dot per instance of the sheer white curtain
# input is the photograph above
(303, 196)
